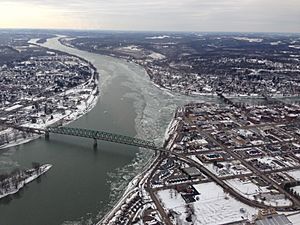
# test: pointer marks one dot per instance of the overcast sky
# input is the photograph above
(156, 15)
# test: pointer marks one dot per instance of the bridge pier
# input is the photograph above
(98, 135)
(47, 135)
(95, 143)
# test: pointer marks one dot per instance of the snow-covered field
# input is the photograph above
(158, 37)
(131, 48)
(275, 43)
(212, 207)
(295, 219)
(156, 55)
(295, 174)
(249, 190)
(295, 46)
(249, 39)
(257, 40)
(297, 189)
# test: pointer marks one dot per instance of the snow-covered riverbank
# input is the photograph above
(86, 102)
(136, 186)
(154, 108)
(16, 182)
(63, 119)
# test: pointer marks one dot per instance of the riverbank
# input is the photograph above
(87, 103)
(74, 158)
(131, 105)
(154, 106)
(137, 188)
(13, 184)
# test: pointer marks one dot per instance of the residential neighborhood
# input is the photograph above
(43, 91)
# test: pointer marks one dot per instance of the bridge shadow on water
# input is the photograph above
(83, 144)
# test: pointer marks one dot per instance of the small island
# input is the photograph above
(17, 179)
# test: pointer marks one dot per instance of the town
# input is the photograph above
(48, 89)
(233, 161)
(241, 162)
(207, 63)
(152, 112)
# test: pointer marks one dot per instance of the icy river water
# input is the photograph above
(84, 183)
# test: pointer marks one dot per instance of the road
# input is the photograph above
(233, 154)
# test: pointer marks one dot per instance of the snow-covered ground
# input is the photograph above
(131, 48)
(19, 142)
(295, 46)
(158, 37)
(271, 162)
(295, 174)
(212, 207)
(156, 55)
(229, 168)
(257, 40)
(252, 191)
(275, 43)
(297, 189)
(134, 187)
(295, 218)
(87, 102)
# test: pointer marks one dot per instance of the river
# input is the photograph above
(84, 183)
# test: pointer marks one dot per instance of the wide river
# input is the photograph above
(84, 183)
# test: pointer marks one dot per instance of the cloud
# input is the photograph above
(197, 15)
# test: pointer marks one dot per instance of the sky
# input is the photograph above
(153, 15)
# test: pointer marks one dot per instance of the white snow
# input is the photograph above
(158, 37)
(295, 46)
(19, 142)
(88, 101)
(14, 107)
(257, 40)
(43, 169)
(249, 189)
(295, 219)
(155, 55)
(270, 161)
(212, 207)
(229, 168)
(297, 189)
(275, 43)
(295, 174)
(131, 48)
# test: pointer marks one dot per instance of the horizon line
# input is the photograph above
(145, 31)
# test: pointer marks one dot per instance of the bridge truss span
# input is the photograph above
(101, 135)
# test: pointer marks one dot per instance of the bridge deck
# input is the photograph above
(101, 135)
(93, 134)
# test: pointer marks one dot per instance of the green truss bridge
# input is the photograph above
(93, 134)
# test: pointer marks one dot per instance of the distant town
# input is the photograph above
(193, 64)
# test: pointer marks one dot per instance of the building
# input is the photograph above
(274, 219)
